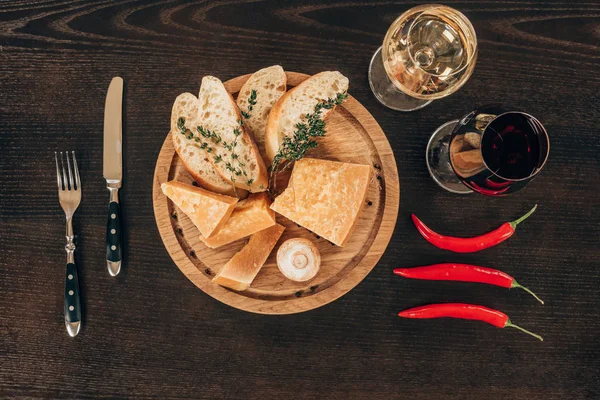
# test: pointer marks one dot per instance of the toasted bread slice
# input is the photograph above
(193, 157)
(218, 113)
(207, 210)
(292, 107)
(270, 85)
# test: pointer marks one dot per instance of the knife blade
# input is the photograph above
(113, 172)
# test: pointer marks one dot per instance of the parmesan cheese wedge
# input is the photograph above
(207, 210)
(241, 270)
(248, 217)
(325, 197)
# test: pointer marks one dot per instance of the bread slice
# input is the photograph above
(269, 84)
(249, 216)
(325, 197)
(292, 107)
(207, 210)
(218, 113)
(243, 267)
(193, 157)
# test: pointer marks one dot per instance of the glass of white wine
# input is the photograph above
(429, 52)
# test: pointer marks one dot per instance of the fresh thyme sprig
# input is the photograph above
(204, 134)
(251, 104)
(208, 139)
(294, 147)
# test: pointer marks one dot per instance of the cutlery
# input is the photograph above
(113, 172)
(69, 196)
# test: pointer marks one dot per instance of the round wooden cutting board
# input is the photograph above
(353, 136)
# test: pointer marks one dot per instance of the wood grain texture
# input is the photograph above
(151, 333)
(352, 136)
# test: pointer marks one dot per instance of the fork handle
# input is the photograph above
(113, 234)
(72, 301)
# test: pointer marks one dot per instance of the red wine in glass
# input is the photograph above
(492, 150)
(511, 148)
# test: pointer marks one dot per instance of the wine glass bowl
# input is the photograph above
(493, 151)
(428, 53)
(437, 55)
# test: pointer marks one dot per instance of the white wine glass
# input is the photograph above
(428, 52)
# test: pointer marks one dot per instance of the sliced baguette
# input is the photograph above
(193, 157)
(292, 107)
(270, 85)
(218, 113)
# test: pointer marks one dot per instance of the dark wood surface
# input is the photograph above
(150, 333)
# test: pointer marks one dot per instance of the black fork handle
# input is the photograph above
(72, 301)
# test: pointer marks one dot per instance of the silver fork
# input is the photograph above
(69, 195)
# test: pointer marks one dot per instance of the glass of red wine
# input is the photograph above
(492, 150)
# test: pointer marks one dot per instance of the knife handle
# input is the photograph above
(72, 301)
(113, 234)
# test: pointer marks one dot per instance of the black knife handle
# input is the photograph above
(72, 300)
(113, 235)
(113, 232)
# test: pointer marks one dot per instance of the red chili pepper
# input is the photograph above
(469, 245)
(464, 311)
(463, 273)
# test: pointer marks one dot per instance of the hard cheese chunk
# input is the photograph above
(241, 270)
(207, 210)
(325, 197)
(248, 217)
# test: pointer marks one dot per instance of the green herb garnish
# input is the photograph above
(251, 104)
(294, 147)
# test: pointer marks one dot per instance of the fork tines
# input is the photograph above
(73, 182)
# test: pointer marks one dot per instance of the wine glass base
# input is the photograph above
(438, 160)
(385, 91)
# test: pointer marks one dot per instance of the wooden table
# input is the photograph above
(151, 333)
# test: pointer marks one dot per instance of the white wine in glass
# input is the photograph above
(429, 52)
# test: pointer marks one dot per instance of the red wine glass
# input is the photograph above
(492, 150)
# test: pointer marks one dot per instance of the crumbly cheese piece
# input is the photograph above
(325, 197)
(248, 217)
(241, 270)
(207, 210)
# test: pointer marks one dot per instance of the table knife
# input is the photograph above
(113, 172)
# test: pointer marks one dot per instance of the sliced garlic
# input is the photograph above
(298, 259)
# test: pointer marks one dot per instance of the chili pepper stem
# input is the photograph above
(516, 222)
(510, 324)
(515, 284)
